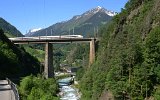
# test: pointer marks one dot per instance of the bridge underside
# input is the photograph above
(69, 40)
(49, 70)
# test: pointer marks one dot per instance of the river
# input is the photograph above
(67, 90)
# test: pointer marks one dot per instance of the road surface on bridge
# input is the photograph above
(51, 39)
(6, 93)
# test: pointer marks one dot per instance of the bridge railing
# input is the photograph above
(13, 86)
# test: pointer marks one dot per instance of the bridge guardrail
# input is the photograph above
(13, 86)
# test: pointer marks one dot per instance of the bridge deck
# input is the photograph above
(49, 40)
(6, 93)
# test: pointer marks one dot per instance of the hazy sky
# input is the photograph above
(30, 14)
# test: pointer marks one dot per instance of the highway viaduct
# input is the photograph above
(48, 69)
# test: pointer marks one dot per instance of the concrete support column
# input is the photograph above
(48, 70)
(92, 51)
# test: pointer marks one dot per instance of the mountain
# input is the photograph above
(32, 31)
(87, 23)
(127, 66)
(8, 28)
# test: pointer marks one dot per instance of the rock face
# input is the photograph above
(106, 96)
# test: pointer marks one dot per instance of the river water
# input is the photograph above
(68, 92)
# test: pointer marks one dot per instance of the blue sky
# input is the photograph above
(30, 14)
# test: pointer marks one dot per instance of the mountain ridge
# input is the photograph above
(8, 28)
(73, 25)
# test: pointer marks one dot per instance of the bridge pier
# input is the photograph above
(48, 70)
(92, 51)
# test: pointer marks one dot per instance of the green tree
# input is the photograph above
(38, 88)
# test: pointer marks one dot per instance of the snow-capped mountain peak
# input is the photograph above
(35, 30)
(111, 13)
(32, 31)
(100, 9)
(93, 17)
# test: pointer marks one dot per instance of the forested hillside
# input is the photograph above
(15, 62)
(8, 28)
(128, 61)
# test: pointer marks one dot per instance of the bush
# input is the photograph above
(38, 88)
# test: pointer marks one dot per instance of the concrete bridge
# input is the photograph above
(49, 40)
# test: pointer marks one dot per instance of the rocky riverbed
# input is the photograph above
(68, 92)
